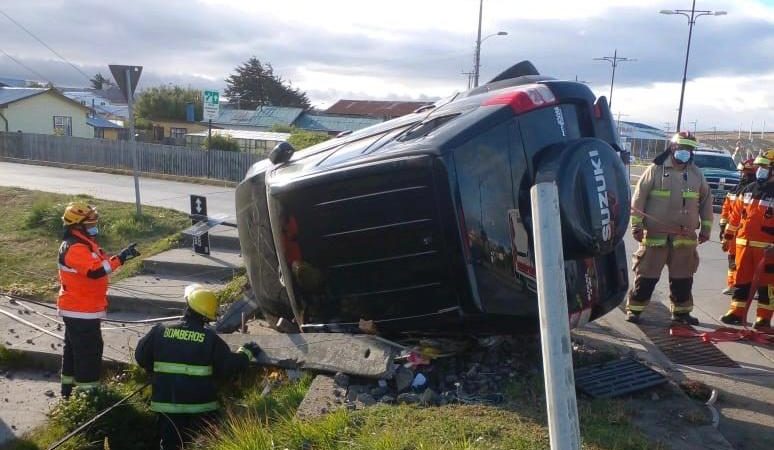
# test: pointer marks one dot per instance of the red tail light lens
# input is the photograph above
(524, 99)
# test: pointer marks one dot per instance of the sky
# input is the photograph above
(416, 50)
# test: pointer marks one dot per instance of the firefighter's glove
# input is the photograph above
(729, 237)
(703, 237)
(725, 245)
(128, 253)
(251, 349)
(638, 234)
(722, 232)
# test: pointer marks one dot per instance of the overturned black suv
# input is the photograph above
(423, 224)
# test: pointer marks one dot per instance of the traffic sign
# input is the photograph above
(201, 243)
(211, 101)
(127, 83)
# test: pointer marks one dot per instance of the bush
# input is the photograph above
(221, 142)
(45, 215)
(301, 139)
(120, 426)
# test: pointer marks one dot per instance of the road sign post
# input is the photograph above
(201, 243)
(127, 77)
(210, 111)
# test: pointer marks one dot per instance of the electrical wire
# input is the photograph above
(32, 71)
(44, 44)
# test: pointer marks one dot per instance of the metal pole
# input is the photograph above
(685, 68)
(563, 426)
(477, 58)
(132, 143)
(612, 80)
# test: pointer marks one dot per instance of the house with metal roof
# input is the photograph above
(264, 118)
(379, 109)
(42, 111)
(642, 140)
(259, 142)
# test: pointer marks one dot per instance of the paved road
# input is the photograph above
(154, 192)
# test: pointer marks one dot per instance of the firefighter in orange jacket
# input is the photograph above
(747, 175)
(751, 226)
(83, 276)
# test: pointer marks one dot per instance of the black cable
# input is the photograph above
(44, 44)
(34, 72)
(78, 430)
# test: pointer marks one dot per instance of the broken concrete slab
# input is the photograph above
(320, 399)
(154, 295)
(219, 265)
(359, 355)
(24, 400)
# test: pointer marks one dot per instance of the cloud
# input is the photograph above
(398, 49)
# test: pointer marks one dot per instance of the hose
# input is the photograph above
(78, 430)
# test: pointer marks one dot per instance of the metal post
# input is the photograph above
(563, 426)
(132, 143)
(685, 68)
(209, 147)
(477, 59)
(612, 81)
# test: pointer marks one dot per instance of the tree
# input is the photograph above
(99, 82)
(168, 103)
(256, 85)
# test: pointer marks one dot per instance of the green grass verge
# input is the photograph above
(10, 358)
(30, 234)
(234, 289)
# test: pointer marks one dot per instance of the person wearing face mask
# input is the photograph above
(751, 226)
(672, 201)
(83, 276)
(747, 171)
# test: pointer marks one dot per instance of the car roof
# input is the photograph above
(711, 151)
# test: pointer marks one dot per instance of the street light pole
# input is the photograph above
(614, 60)
(477, 52)
(691, 21)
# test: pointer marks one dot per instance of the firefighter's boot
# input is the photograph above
(684, 319)
(633, 317)
(732, 317)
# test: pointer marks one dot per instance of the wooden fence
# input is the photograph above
(152, 158)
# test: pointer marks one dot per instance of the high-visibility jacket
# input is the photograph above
(725, 210)
(671, 202)
(83, 277)
(752, 216)
(185, 358)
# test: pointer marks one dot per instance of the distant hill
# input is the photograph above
(727, 140)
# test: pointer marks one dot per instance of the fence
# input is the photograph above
(152, 158)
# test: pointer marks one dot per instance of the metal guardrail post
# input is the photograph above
(561, 403)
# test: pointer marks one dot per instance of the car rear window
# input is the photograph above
(548, 126)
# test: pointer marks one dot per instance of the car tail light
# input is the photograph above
(524, 99)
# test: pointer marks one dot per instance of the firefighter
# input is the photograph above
(184, 359)
(746, 176)
(83, 276)
(671, 201)
(751, 226)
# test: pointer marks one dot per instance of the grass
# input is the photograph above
(10, 358)
(30, 234)
(234, 289)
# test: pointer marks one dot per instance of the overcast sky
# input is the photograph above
(417, 49)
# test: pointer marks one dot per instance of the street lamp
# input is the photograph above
(477, 54)
(614, 60)
(692, 14)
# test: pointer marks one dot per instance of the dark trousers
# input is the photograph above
(174, 427)
(82, 358)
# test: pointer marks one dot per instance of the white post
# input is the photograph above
(563, 426)
(132, 143)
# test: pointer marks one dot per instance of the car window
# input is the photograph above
(714, 162)
(548, 126)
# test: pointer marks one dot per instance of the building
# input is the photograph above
(173, 132)
(42, 111)
(265, 118)
(384, 110)
(105, 129)
(259, 142)
(641, 140)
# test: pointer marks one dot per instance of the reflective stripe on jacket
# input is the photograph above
(672, 202)
(83, 277)
(752, 216)
(185, 359)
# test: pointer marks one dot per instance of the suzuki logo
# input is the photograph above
(604, 207)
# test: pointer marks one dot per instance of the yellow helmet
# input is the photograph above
(202, 301)
(79, 213)
(763, 159)
(768, 154)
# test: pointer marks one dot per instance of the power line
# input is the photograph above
(36, 73)
(44, 44)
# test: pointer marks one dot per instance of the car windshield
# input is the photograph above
(714, 162)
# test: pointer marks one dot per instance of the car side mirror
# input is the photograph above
(281, 153)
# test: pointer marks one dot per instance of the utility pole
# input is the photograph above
(477, 56)
(132, 143)
(715, 135)
(470, 78)
(614, 60)
(694, 126)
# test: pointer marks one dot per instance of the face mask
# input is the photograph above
(92, 231)
(762, 174)
(682, 155)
